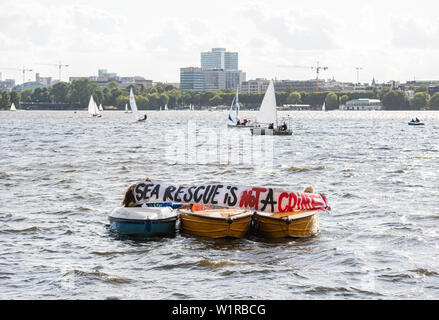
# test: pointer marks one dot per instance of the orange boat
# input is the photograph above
(295, 224)
(216, 223)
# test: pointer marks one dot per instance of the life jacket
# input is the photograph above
(200, 207)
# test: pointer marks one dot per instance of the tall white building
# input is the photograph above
(219, 58)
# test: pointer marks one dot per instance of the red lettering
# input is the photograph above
(314, 201)
(247, 199)
(306, 203)
(258, 193)
(279, 202)
(292, 206)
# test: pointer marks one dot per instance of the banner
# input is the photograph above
(241, 197)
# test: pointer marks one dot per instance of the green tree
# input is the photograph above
(164, 99)
(15, 98)
(419, 101)
(294, 98)
(331, 101)
(59, 92)
(41, 95)
(142, 102)
(26, 95)
(395, 100)
(5, 101)
(343, 99)
(81, 90)
(215, 100)
(434, 102)
(423, 88)
(121, 101)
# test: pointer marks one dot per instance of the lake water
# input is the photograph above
(61, 174)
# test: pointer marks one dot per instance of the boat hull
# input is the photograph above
(299, 224)
(270, 132)
(240, 126)
(416, 123)
(128, 221)
(222, 223)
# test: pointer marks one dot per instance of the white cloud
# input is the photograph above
(412, 33)
(154, 39)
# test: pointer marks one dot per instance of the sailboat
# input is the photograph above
(268, 115)
(93, 108)
(13, 107)
(100, 108)
(133, 106)
(324, 106)
(236, 123)
(126, 108)
(166, 107)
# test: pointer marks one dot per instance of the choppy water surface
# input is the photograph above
(61, 173)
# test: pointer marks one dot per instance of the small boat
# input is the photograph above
(13, 107)
(237, 123)
(93, 108)
(415, 123)
(100, 108)
(126, 108)
(216, 223)
(268, 115)
(144, 221)
(133, 106)
(297, 224)
(324, 106)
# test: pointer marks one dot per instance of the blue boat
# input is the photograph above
(144, 222)
(414, 123)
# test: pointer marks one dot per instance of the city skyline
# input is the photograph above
(388, 40)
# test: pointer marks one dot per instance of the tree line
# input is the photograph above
(79, 91)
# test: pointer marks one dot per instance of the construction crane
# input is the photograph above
(59, 65)
(23, 70)
(358, 73)
(316, 67)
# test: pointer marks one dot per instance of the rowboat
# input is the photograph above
(414, 123)
(296, 224)
(216, 223)
(145, 222)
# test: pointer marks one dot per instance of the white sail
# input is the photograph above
(268, 112)
(324, 106)
(92, 107)
(100, 108)
(166, 107)
(133, 105)
(13, 107)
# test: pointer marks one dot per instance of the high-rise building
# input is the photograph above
(219, 58)
(191, 79)
(214, 79)
(234, 78)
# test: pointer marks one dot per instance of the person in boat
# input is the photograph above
(270, 126)
(283, 127)
(413, 120)
(144, 118)
(238, 123)
(417, 120)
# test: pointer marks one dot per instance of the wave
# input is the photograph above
(99, 276)
(30, 229)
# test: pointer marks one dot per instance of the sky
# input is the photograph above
(387, 39)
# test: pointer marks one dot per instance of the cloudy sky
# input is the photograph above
(389, 39)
